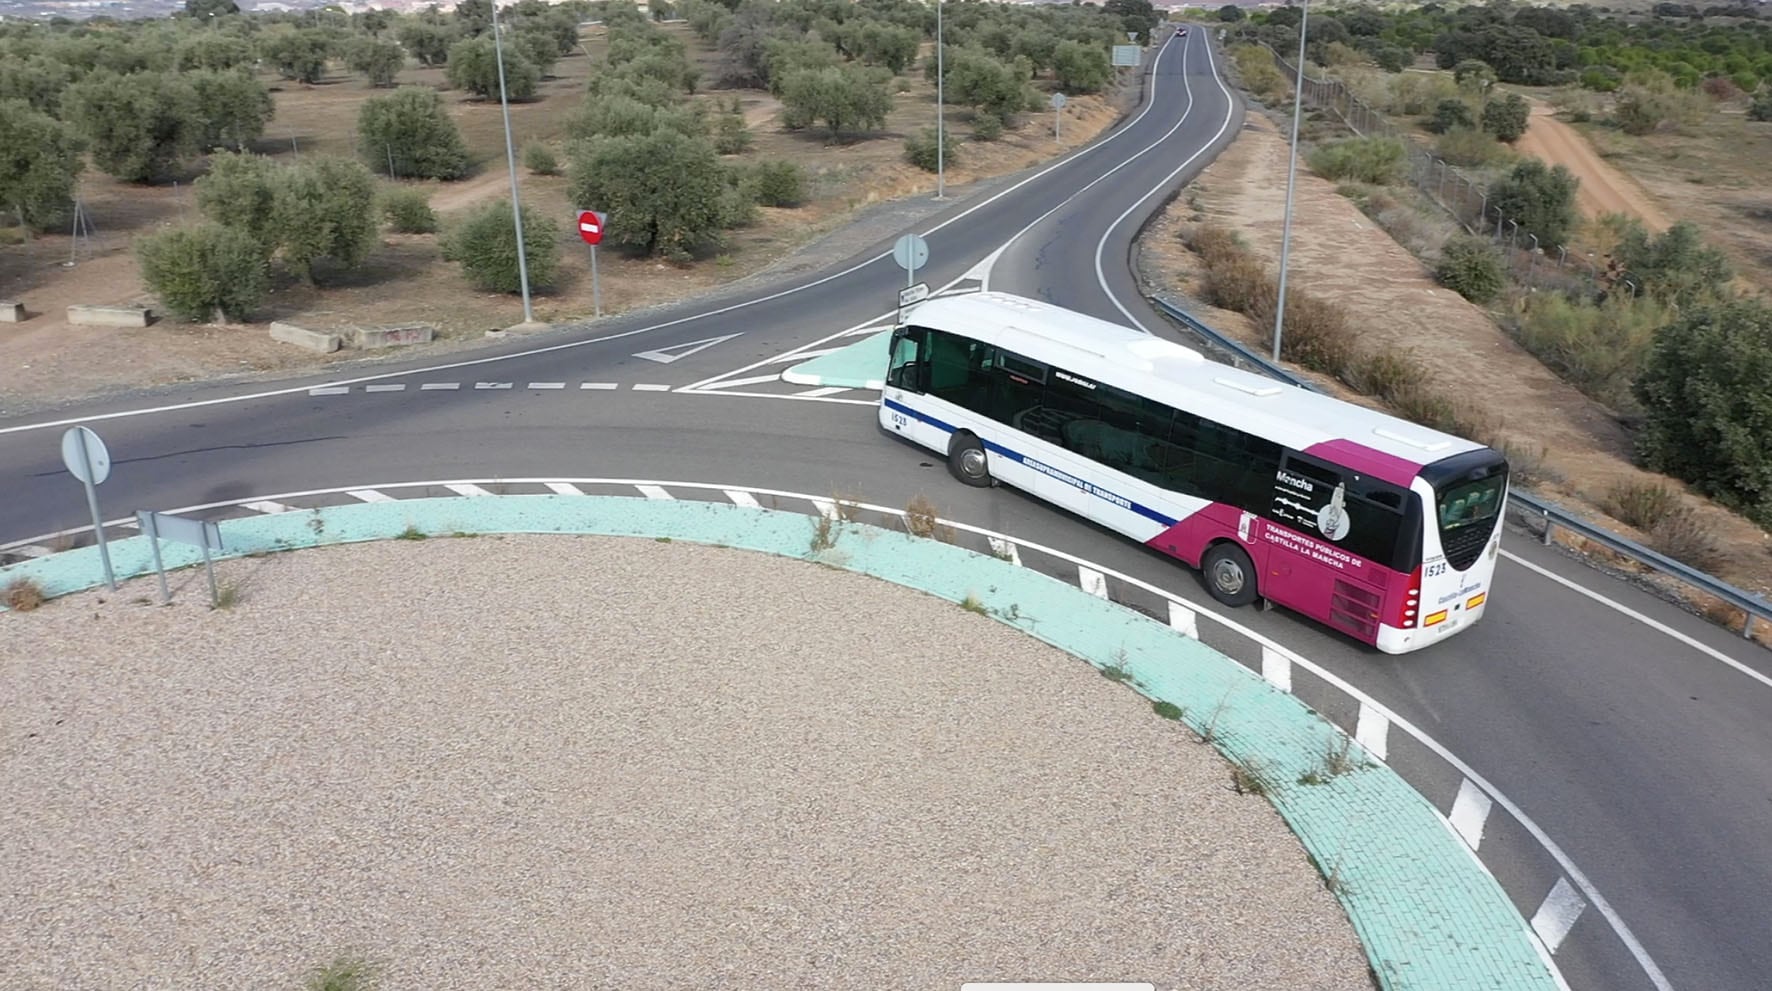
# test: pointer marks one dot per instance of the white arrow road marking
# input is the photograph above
(665, 356)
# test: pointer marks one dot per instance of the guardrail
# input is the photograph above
(1753, 607)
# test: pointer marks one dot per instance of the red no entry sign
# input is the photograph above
(590, 226)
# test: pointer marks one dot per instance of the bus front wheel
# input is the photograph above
(967, 462)
(1229, 574)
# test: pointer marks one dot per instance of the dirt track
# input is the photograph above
(1603, 189)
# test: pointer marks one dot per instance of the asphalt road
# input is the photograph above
(1642, 756)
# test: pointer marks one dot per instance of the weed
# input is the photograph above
(1011, 614)
(463, 534)
(662, 540)
(1684, 537)
(1209, 732)
(1338, 759)
(1313, 777)
(344, 974)
(1168, 710)
(1114, 672)
(1377, 161)
(920, 519)
(317, 523)
(227, 596)
(24, 595)
(971, 603)
(824, 534)
(1002, 550)
(1316, 332)
(1641, 504)
(848, 510)
(410, 533)
(1250, 777)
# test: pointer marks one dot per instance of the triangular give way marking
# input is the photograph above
(665, 356)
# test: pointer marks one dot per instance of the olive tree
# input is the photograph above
(39, 162)
(662, 190)
(204, 272)
(138, 127)
(409, 133)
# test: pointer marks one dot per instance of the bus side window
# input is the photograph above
(906, 368)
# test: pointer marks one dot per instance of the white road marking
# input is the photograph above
(598, 385)
(370, 495)
(1276, 668)
(735, 383)
(740, 497)
(664, 355)
(866, 331)
(547, 385)
(1006, 550)
(1645, 620)
(1372, 731)
(564, 488)
(32, 550)
(492, 385)
(439, 385)
(830, 390)
(775, 395)
(268, 507)
(1470, 811)
(1092, 581)
(654, 492)
(1556, 915)
(1182, 620)
(648, 387)
(800, 355)
(467, 489)
(386, 387)
(323, 390)
(826, 508)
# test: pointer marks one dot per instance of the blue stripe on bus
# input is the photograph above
(1044, 469)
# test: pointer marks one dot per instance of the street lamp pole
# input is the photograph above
(940, 114)
(1291, 180)
(504, 104)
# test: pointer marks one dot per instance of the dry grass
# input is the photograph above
(1641, 504)
(1316, 334)
(1685, 537)
(922, 520)
(24, 595)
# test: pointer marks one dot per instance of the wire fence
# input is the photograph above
(1465, 198)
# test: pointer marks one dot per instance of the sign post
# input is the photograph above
(590, 227)
(910, 252)
(1058, 102)
(87, 460)
(165, 526)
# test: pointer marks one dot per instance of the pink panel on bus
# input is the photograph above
(1367, 461)
(1188, 537)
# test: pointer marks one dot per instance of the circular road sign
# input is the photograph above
(94, 464)
(1058, 101)
(910, 252)
(590, 226)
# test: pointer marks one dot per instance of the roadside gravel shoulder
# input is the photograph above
(604, 762)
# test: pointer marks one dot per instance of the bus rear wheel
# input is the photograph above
(1229, 574)
(966, 461)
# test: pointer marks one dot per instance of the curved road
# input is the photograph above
(1638, 740)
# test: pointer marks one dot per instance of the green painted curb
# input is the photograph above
(859, 366)
(1429, 915)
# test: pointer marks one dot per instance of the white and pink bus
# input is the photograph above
(1381, 528)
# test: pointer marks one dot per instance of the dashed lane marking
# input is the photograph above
(740, 498)
(385, 387)
(1092, 581)
(1276, 668)
(268, 507)
(649, 387)
(1556, 915)
(1372, 731)
(654, 492)
(439, 385)
(605, 386)
(492, 385)
(466, 489)
(564, 488)
(547, 385)
(329, 390)
(1005, 549)
(1470, 810)
(370, 495)
(1183, 620)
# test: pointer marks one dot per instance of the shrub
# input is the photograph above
(1469, 148)
(987, 127)
(473, 66)
(1540, 198)
(1412, 94)
(1314, 334)
(845, 99)
(485, 243)
(1761, 108)
(540, 159)
(1378, 161)
(1472, 268)
(23, 595)
(662, 190)
(408, 211)
(409, 133)
(1641, 504)
(200, 271)
(1449, 114)
(1682, 536)
(779, 183)
(1599, 349)
(731, 136)
(1506, 117)
(1706, 391)
(323, 208)
(1721, 89)
(920, 150)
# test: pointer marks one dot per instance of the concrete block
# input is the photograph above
(392, 337)
(302, 337)
(11, 311)
(110, 316)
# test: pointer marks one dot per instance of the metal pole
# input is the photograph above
(940, 114)
(209, 566)
(98, 526)
(1291, 183)
(511, 159)
(596, 290)
(153, 529)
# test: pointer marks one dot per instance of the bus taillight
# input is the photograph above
(1409, 611)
